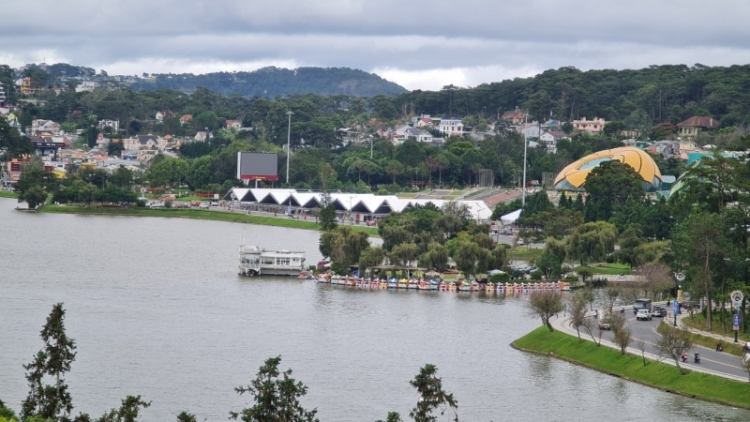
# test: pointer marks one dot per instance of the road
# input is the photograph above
(713, 362)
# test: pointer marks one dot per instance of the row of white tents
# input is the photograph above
(364, 203)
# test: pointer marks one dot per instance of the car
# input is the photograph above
(658, 312)
(605, 322)
(643, 314)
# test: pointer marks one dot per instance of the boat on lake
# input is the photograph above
(255, 261)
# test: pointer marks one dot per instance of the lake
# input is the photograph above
(157, 309)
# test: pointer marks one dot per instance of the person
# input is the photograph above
(719, 347)
(684, 357)
(596, 315)
(697, 358)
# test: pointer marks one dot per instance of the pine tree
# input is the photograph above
(53, 361)
(578, 205)
(431, 396)
(276, 399)
(564, 202)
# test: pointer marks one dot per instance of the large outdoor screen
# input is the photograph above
(257, 166)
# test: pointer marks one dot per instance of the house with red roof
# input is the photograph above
(186, 118)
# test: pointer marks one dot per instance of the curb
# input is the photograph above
(563, 325)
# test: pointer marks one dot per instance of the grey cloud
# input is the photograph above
(412, 36)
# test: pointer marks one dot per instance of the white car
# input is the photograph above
(605, 322)
(643, 314)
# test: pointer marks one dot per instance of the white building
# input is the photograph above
(402, 133)
(87, 86)
(451, 127)
(41, 125)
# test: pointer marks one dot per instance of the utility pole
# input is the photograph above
(525, 144)
(288, 144)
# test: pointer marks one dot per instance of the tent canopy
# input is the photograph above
(511, 218)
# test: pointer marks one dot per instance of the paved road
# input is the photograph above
(710, 358)
(713, 362)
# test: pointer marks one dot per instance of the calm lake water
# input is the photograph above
(157, 309)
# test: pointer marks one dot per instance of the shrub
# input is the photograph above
(500, 278)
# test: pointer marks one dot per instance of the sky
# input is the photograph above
(418, 44)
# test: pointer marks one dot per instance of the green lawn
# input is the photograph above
(199, 215)
(699, 323)
(8, 194)
(609, 269)
(655, 374)
(524, 254)
(189, 198)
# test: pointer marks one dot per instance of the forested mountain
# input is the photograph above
(272, 82)
(640, 98)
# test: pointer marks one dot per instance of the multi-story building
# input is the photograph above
(692, 127)
(451, 127)
(590, 126)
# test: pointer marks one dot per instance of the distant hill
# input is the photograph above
(273, 82)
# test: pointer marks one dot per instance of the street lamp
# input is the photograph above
(288, 144)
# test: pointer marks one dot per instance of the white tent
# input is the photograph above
(510, 218)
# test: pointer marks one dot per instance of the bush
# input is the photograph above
(536, 275)
(500, 278)
(140, 203)
(339, 268)
(598, 282)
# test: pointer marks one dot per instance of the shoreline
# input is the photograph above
(196, 214)
(630, 367)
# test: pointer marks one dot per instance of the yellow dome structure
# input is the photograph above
(574, 175)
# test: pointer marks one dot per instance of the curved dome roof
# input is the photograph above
(575, 173)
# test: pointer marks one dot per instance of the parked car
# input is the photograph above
(643, 314)
(658, 312)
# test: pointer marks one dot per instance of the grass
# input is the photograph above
(710, 342)
(698, 322)
(609, 269)
(198, 215)
(8, 194)
(193, 198)
(654, 374)
(523, 253)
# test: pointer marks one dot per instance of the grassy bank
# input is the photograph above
(609, 269)
(8, 194)
(698, 322)
(198, 215)
(655, 374)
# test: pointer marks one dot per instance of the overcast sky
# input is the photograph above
(419, 44)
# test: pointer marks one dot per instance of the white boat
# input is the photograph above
(255, 261)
